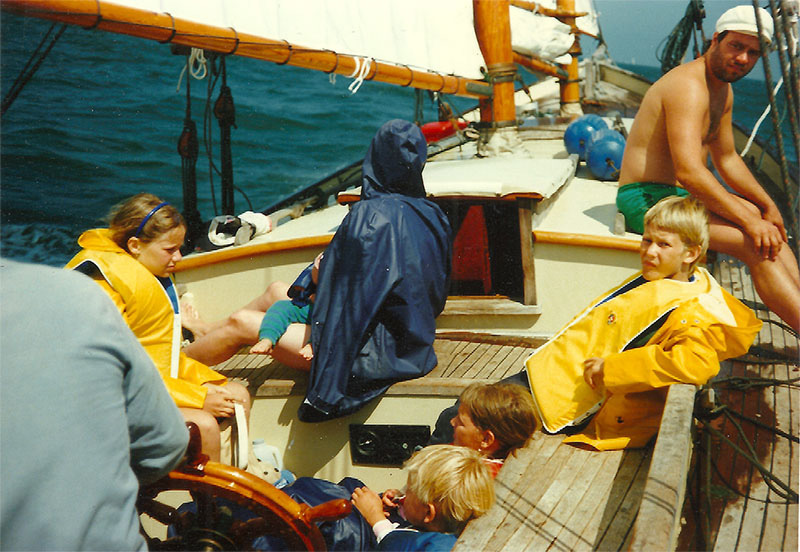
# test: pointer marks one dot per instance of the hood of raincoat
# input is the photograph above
(394, 161)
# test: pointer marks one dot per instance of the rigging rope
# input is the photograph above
(760, 120)
(196, 65)
(31, 67)
(678, 39)
(188, 148)
(359, 73)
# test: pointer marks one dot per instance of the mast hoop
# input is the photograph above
(444, 82)
(336, 65)
(497, 73)
(288, 53)
(174, 30)
(411, 76)
(96, 21)
(236, 44)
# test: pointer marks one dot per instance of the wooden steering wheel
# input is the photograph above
(212, 526)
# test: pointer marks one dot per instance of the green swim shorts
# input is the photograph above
(635, 198)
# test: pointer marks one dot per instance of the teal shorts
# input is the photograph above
(635, 198)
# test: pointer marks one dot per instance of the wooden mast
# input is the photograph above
(570, 87)
(162, 27)
(493, 31)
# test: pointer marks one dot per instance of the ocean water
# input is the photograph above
(101, 118)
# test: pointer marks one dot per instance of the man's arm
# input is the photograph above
(735, 173)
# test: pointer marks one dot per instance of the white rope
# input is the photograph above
(197, 66)
(760, 120)
(359, 73)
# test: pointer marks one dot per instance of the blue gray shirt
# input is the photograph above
(85, 415)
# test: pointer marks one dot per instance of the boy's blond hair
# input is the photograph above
(505, 409)
(455, 479)
(685, 216)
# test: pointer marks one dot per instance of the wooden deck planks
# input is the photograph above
(561, 497)
(623, 501)
(554, 489)
(762, 519)
(460, 360)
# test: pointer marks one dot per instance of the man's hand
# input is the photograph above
(773, 215)
(767, 237)
(369, 504)
(593, 371)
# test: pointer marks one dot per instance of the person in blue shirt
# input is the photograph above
(86, 415)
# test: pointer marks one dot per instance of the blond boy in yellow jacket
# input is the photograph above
(671, 323)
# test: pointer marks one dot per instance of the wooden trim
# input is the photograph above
(247, 251)
(491, 338)
(658, 522)
(636, 84)
(488, 306)
(585, 240)
(349, 196)
(162, 27)
(525, 213)
(424, 386)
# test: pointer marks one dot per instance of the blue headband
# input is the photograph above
(145, 219)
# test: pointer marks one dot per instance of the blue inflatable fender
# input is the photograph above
(604, 134)
(580, 131)
(604, 158)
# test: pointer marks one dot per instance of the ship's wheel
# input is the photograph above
(230, 509)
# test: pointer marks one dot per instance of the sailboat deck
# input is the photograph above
(559, 497)
(739, 506)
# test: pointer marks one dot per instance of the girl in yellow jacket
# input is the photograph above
(132, 260)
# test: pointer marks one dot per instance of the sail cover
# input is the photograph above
(437, 36)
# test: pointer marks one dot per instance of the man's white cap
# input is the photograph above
(741, 19)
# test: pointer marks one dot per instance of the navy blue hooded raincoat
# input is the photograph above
(382, 282)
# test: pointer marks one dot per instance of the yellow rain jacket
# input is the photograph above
(697, 324)
(146, 307)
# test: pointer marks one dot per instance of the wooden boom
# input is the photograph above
(162, 27)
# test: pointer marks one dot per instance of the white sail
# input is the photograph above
(434, 35)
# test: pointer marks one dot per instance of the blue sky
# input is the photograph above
(633, 29)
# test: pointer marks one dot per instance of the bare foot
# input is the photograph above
(263, 347)
(306, 352)
(190, 319)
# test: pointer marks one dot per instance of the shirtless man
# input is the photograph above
(684, 117)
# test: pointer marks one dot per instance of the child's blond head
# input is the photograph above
(686, 217)
(455, 479)
(505, 409)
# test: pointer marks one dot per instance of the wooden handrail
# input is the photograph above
(658, 522)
